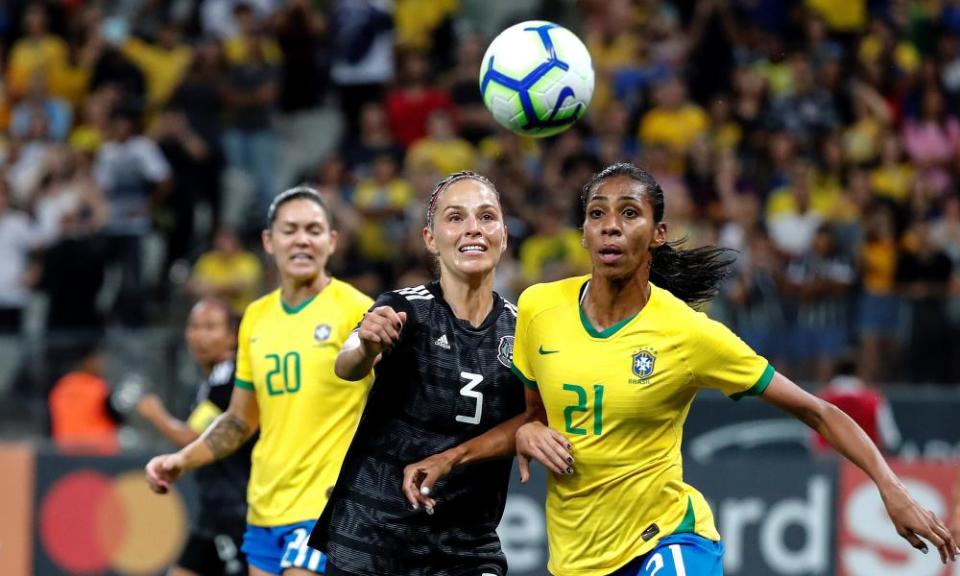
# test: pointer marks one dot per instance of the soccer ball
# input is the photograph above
(536, 78)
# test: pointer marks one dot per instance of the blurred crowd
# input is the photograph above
(141, 141)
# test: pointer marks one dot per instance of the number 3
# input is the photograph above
(473, 380)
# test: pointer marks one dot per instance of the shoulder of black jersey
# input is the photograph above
(419, 293)
(408, 300)
(510, 307)
(222, 374)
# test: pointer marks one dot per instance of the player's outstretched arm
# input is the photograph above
(178, 432)
(911, 520)
(227, 433)
(378, 331)
(498, 442)
(537, 441)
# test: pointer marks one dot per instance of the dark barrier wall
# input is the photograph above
(778, 516)
(717, 427)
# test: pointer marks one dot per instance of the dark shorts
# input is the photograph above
(216, 554)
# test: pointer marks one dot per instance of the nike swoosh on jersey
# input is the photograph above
(545, 352)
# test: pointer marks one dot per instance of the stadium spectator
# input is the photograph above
(188, 156)
(441, 149)
(879, 307)
(56, 112)
(819, 283)
(250, 94)
(84, 410)
(374, 139)
(162, 62)
(553, 250)
(302, 37)
(228, 272)
(18, 238)
(933, 141)
(38, 51)
(411, 104)
(924, 272)
(363, 39)
(382, 201)
(134, 177)
(865, 404)
(674, 121)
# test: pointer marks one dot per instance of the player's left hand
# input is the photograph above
(420, 477)
(913, 521)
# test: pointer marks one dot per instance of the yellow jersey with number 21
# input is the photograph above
(307, 414)
(620, 396)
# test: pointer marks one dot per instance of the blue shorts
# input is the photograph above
(678, 555)
(276, 548)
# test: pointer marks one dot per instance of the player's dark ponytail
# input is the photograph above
(692, 275)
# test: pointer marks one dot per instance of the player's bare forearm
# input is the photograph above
(353, 363)
(227, 433)
(838, 429)
(498, 442)
(174, 430)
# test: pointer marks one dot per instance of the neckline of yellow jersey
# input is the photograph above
(612, 330)
(291, 310)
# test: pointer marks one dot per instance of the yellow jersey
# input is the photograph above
(620, 396)
(307, 414)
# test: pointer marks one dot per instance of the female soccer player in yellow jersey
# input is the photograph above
(616, 358)
(285, 385)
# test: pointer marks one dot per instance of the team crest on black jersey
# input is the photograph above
(322, 332)
(505, 351)
(644, 363)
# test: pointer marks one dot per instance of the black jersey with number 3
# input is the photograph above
(443, 383)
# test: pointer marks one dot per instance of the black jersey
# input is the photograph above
(443, 383)
(222, 485)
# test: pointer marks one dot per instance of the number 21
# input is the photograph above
(581, 406)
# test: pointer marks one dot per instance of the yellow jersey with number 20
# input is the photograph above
(620, 396)
(307, 414)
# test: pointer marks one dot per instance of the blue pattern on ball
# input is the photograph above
(523, 86)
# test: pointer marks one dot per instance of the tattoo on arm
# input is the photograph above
(226, 435)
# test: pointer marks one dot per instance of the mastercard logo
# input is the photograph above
(91, 522)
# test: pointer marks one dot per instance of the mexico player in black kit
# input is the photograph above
(424, 484)
(213, 547)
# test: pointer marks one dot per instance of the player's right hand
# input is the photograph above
(380, 329)
(162, 471)
(539, 442)
(955, 523)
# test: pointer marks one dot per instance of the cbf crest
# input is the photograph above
(505, 351)
(644, 363)
(322, 332)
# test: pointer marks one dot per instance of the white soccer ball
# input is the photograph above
(536, 78)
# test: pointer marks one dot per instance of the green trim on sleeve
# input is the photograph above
(243, 384)
(689, 522)
(761, 385)
(526, 381)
